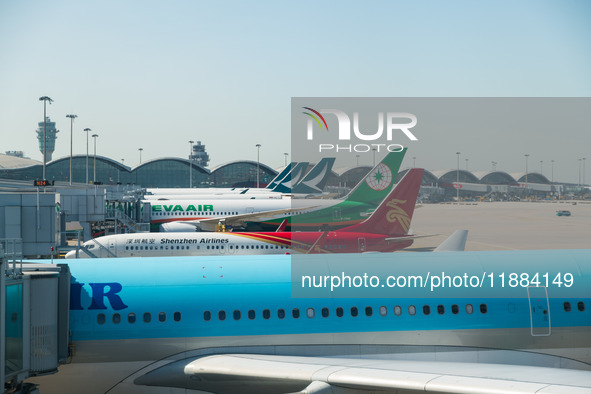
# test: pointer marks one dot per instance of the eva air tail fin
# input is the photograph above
(316, 179)
(394, 214)
(378, 183)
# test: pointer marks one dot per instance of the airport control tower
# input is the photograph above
(199, 156)
(50, 136)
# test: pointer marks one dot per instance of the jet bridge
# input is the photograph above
(34, 313)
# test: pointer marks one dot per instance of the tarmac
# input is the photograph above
(505, 225)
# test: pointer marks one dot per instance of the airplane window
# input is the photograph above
(207, 315)
(310, 313)
(368, 311)
(257, 246)
(440, 309)
(127, 248)
(266, 314)
(397, 310)
(222, 247)
(162, 317)
(295, 312)
(147, 317)
(426, 309)
(281, 313)
(231, 247)
(178, 247)
(324, 312)
(455, 309)
(483, 308)
(383, 311)
(100, 318)
(340, 312)
(222, 315)
(242, 247)
(131, 318)
(116, 318)
(581, 306)
(567, 307)
(412, 310)
(236, 314)
(469, 309)
(354, 311)
(511, 307)
(252, 314)
(176, 316)
(208, 247)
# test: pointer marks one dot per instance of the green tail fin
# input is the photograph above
(380, 180)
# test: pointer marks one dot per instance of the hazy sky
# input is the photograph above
(156, 74)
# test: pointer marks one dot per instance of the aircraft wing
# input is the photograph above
(240, 220)
(307, 375)
(408, 237)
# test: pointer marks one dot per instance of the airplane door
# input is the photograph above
(112, 248)
(336, 214)
(222, 248)
(362, 244)
(539, 310)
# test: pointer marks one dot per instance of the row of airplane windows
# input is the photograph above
(132, 318)
(311, 313)
(340, 312)
(193, 213)
(208, 247)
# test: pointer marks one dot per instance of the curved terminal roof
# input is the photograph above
(8, 161)
(174, 172)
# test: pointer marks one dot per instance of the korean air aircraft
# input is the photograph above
(259, 215)
(492, 322)
(386, 230)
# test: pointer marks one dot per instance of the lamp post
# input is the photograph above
(552, 161)
(458, 180)
(494, 165)
(414, 162)
(94, 165)
(374, 156)
(542, 167)
(87, 130)
(466, 164)
(584, 158)
(258, 151)
(45, 99)
(526, 184)
(580, 172)
(191, 164)
(140, 149)
(286, 158)
(72, 117)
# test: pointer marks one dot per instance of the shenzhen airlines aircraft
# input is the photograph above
(231, 324)
(258, 215)
(386, 230)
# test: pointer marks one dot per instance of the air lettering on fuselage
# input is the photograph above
(99, 291)
(179, 208)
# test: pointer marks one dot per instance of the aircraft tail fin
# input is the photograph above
(380, 180)
(315, 180)
(284, 186)
(394, 214)
(280, 176)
